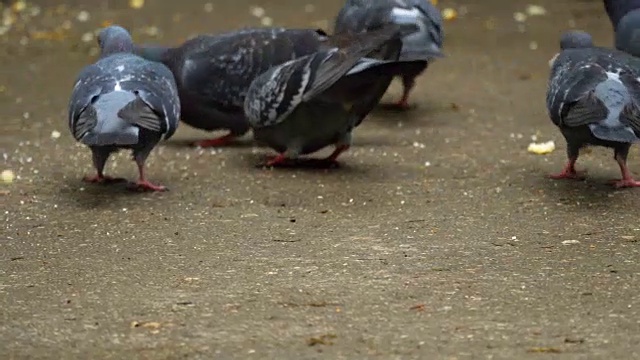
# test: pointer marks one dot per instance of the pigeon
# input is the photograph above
(424, 45)
(214, 72)
(308, 103)
(123, 101)
(593, 96)
(625, 18)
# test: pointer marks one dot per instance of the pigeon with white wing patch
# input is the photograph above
(123, 101)
(419, 48)
(593, 96)
(315, 101)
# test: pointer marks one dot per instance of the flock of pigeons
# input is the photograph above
(301, 90)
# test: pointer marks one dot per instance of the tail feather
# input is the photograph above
(423, 44)
(109, 128)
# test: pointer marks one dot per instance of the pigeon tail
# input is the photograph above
(109, 128)
(614, 95)
(423, 41)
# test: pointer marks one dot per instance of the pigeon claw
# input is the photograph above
(624, 183)
(217, 142)
(276, 160)
(403, 104)
(102, 179)
(144, 185)
(569, 175)
(333, 158)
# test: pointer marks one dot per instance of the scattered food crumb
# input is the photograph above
(570, 242)
(55, 134)
(146, 324)
(257, 11)
(136, 4)
(83, 16)
(7, 176)
(536, 10)
(449, 14)
(266, 21)
(542, 148)
(519, 17)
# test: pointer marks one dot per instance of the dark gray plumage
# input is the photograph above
(625, 19)
(214, 72)
(123, 101)
(423, 45)
(593, 96)
(314, 101)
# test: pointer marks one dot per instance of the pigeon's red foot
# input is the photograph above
(276, 160)
(569, 171)
(569, 175)
(98, 179)
(217, 142)
(144, 185)
(333, 158)
(403, 104)
(624, 183)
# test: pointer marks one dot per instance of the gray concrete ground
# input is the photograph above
(439, 238)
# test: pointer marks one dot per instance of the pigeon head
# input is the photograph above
(114, 39)
(628, 33)
(575, 39)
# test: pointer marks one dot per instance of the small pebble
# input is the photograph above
(55, 134)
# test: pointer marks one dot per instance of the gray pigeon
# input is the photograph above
(423, 45)
(593, 96)
(123, 102)
(625, 18)
(314, 101)
(214, 72)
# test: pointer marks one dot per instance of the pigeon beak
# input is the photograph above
(553, 59)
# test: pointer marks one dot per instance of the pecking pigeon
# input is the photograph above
(214, 72)
(123, 101)
(306, 104)
(593, 96)
(423, 45)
